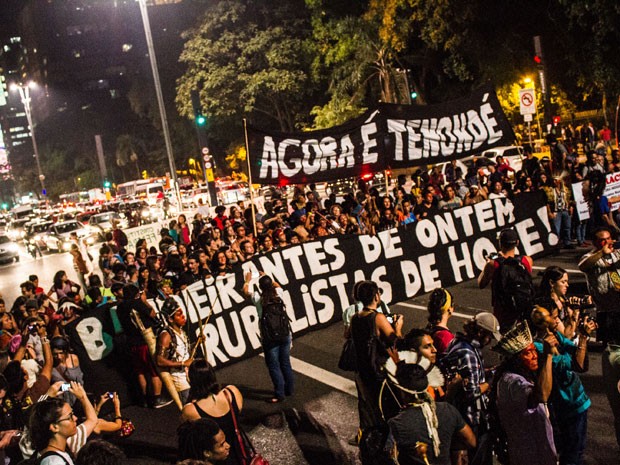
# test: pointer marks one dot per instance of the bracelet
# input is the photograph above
(118, 417)
(45, 340)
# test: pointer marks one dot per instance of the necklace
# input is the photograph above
(54, 447)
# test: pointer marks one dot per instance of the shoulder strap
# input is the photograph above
(242, 437)
(48, 454)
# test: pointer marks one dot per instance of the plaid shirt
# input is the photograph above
(463, 357)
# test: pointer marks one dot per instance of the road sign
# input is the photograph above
(206, 157)
(527, 101)
(205, 150)
(527, 118)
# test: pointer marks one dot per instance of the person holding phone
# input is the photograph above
(53, 423)
(106, 426)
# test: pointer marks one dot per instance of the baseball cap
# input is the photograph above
(508, 236)
(486, 320)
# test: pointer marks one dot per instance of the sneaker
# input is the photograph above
(159, 403)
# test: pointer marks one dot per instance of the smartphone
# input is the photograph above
(255, 274)
(111, 395)
(64, 387)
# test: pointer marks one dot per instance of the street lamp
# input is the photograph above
(160, 97)
(24, 94)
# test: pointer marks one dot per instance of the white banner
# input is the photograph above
(612, 192)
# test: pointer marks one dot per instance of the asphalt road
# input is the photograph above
(314, 425)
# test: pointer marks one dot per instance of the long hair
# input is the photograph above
(44, 414)
(438, 303)
(268, 290)
(100, 452)
(58, 279)
(202, 380)
(196, 438)
(551, 274)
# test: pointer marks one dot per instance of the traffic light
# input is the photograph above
(537, 59)
(199, 116)
(556, 120)
(106, 184)
(414, 95)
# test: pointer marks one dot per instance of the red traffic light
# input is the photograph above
(537, 59)
(556, 119)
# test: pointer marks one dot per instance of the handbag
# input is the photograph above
(348, 357)
(251, 457)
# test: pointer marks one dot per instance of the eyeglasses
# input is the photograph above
(71, 417)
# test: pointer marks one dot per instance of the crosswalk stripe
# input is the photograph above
(568, 270)
(326, 377)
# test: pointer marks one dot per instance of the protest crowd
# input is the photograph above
(425, 394)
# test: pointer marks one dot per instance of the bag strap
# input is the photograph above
(48, 454)
(241, 435)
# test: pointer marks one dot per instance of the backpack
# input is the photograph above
(275, 326)
(34, 460)
(122, 239)
(513, 289)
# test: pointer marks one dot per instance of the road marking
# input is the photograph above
(420, 307)
(326, 377)
(567, 270)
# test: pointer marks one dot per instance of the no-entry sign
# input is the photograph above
(527, 101)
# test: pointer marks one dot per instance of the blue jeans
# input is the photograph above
(278, 360)
(611, 380)
(561, 223)
(580, 231)
(570, 438)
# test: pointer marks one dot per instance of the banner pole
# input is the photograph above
(387, 183)
(247, 159)
(200, 326)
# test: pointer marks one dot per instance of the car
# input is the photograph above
(103, 222)
(16, 228)
(9, 251)
(36, 231)
(57, 237)
(459, 166)
(513, 154)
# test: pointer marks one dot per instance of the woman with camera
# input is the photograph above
(569, 402)
(552, 294)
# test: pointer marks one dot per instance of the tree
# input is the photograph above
(249, 58)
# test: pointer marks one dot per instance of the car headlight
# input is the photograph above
(37, 238)
(13, 247)
(90, 240)
(146, 213)
(66, 246)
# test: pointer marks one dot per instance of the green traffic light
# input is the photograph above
(201, 120)
(414, 95)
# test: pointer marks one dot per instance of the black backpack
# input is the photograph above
(34, 460)
(275, 326)
(513, 289)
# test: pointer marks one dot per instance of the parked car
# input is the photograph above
(513, 154)
(459, 165)
(9, 250)
(57, 237)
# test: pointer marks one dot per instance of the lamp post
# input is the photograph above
(24, 94)
(160, 97)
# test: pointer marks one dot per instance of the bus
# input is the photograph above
(145, 189)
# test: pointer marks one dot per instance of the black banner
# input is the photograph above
(317, 276)
(395, 136)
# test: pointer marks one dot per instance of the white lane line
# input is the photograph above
(323, 376)
(567, 270)
(420, 307)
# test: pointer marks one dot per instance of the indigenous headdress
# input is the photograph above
(431, 373)
(516, 339)
(413, 374)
